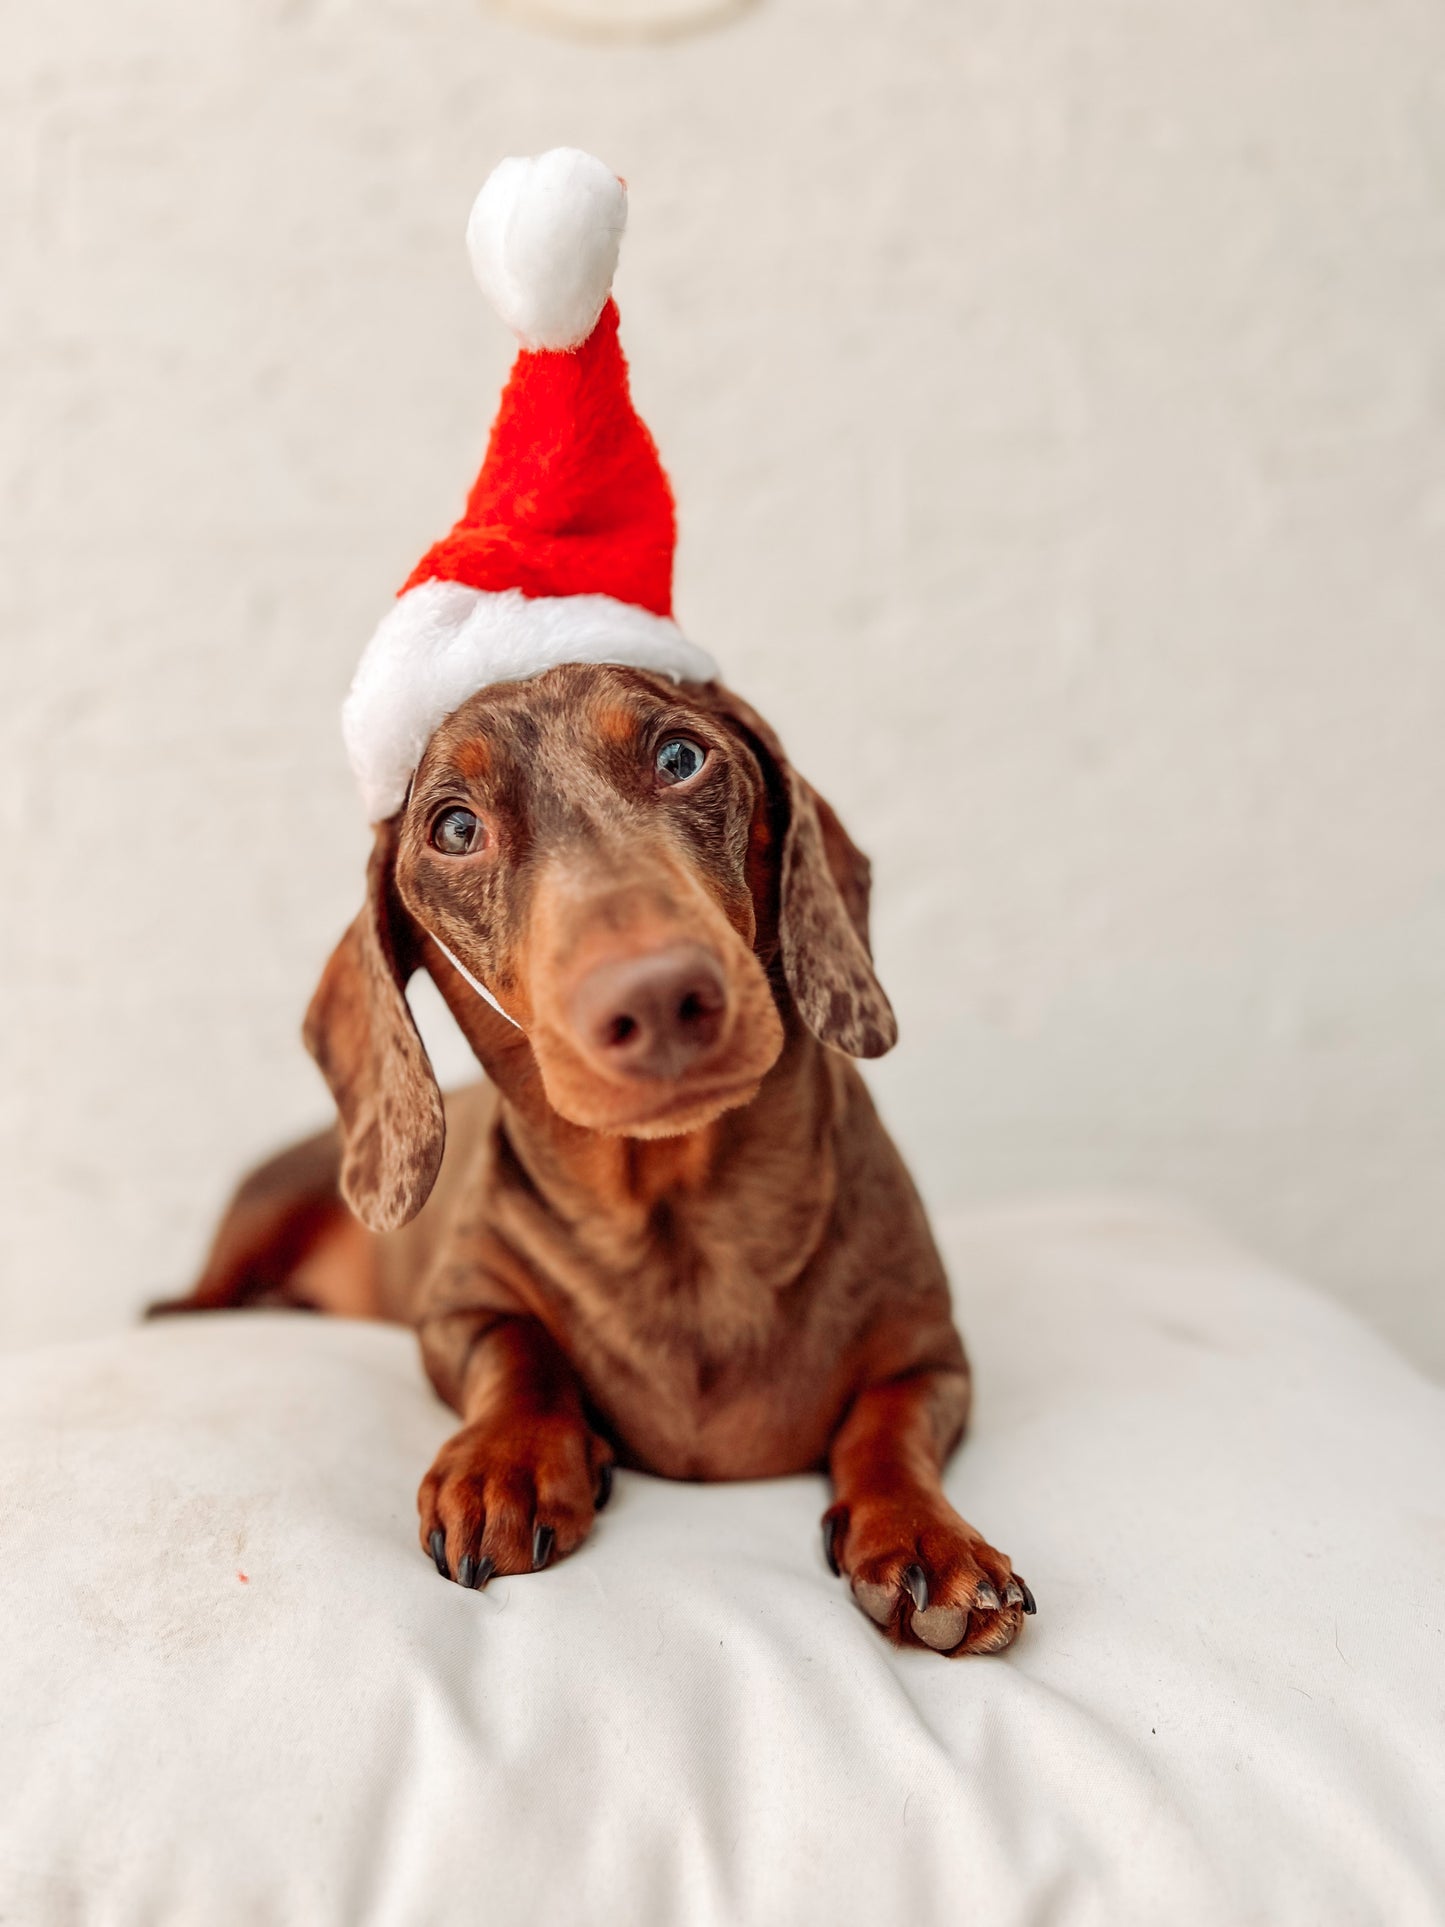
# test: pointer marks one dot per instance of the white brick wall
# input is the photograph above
(1055, 396)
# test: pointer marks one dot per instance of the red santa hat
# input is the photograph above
(564, 550)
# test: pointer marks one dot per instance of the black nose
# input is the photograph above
(654, 1015)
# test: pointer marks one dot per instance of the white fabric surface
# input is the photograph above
(1228, 1497)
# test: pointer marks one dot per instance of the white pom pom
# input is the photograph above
(543, 237)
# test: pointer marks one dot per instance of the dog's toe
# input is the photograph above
(879, 1602)
(939, 1627)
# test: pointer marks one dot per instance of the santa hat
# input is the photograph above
(564, 550)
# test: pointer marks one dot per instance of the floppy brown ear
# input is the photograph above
(360, 1031)
(824, 891)
(823, 928)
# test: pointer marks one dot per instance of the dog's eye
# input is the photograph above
(456, 832)
(679, 758)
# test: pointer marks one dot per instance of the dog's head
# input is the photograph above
(635, 871)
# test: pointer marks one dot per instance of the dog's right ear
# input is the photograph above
(822, 906)
(360, 1031)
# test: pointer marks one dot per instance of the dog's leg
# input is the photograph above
(519, 1485)
(287, 1239)
(916, 1567)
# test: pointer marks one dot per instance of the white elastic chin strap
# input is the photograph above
(477, 985)
(456, 963)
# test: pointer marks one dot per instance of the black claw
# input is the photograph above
(604, 1486)
(1029, 1606)
(916, 1580)
(467, 1572)
(438, 1544)
(830, 1534)
(485, 1568)
(542, 1540)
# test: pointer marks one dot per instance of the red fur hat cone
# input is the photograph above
(564, 550)
(572, 498)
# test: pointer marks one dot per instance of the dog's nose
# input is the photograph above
(652, 1016)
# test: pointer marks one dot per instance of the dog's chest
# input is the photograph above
(699, 1322)
(707, 1368)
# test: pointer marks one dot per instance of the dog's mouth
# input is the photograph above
(690, 1108)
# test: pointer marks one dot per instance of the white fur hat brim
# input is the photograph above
(442, 642)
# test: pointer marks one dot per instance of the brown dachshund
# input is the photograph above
(669, 1232)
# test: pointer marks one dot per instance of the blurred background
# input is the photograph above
(1055, 397)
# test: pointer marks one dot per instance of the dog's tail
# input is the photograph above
(288, 1239)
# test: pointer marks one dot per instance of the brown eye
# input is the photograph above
(456, 832)
(679, 758)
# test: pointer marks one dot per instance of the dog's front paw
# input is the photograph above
(512, 1497)
(925, 1575)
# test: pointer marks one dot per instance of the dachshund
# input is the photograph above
(669, 1231)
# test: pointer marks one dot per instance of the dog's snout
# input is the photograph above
(654, 1015)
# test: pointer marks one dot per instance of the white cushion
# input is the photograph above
(233, 1688)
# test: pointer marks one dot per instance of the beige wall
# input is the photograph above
(1056, 401)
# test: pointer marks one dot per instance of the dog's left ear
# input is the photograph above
(361, 1033)
(824, 889)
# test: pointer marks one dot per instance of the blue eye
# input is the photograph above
(456, 832)
(679, 758)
